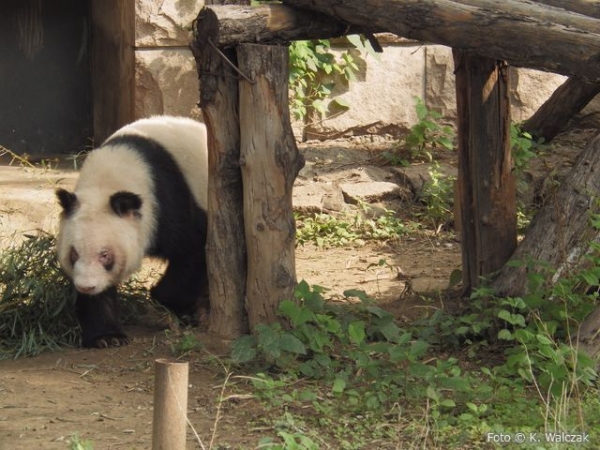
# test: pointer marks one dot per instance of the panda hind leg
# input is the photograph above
(99, 318)
(184, 290)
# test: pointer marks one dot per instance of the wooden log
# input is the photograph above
(523, 33)
(169, 419)
(270, 163)
(556, 112)
(226, 246)
(561, 231)
(272, 24)
(486, 185)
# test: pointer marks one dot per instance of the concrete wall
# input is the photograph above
(381, 99)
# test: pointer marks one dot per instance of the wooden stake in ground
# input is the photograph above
(170, 405)
(270, 162)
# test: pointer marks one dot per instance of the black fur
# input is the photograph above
(99, 318)
(68, 201)
(181, 230)
(125, 203)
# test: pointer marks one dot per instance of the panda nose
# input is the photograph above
(85, 289)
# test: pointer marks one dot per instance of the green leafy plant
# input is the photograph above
(314, 70)
(354, 363)
(438, 197)
(185, 344)
(357, 349)
(326, 230)
(423, 137)
(523, 147)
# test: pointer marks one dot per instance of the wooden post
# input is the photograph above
(226, 247)
(170, 405)
(270, 162)
(113, 66)
(485, 181)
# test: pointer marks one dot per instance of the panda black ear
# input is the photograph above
(68, 200)
(125, 204)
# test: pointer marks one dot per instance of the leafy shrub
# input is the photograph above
(438, 198)
(310, 63)
(424, 136)
(325, 230)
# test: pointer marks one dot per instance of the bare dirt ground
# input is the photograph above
(105, 396)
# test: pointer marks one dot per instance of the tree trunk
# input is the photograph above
(486, 186)
(561, 231)
(270, 163)
(226, 246)
(525, 34)
(556, 112)
(560, 236)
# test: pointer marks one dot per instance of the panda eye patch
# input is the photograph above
(73, 255)
(107, 259)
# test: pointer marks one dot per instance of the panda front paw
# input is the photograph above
(107, 341)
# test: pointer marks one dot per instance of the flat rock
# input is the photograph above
(318, 197)
(370, 191)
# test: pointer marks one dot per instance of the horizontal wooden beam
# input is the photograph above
(228, 26)
(524, 33)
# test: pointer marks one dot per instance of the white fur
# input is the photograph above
(112, 168)
(186, 141)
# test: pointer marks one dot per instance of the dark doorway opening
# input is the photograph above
(45, 76)
(66, 73)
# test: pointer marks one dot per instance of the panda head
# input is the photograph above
(98, 241)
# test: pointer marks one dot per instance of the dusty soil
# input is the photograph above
(106, 395)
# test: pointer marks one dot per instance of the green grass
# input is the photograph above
(37, 301)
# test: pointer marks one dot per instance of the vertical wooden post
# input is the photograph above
(486, 184)
(270, 162)
(226, 247)
(169, 419)
(113, 66)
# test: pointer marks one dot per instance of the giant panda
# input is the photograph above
(143, 192)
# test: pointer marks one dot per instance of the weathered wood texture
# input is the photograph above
(561, 231)
(486, 186)
(556, 112)
(524, 33)
(586, 7)
(272, 24)
(270, 162)
(226, 246)
(113, 91)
